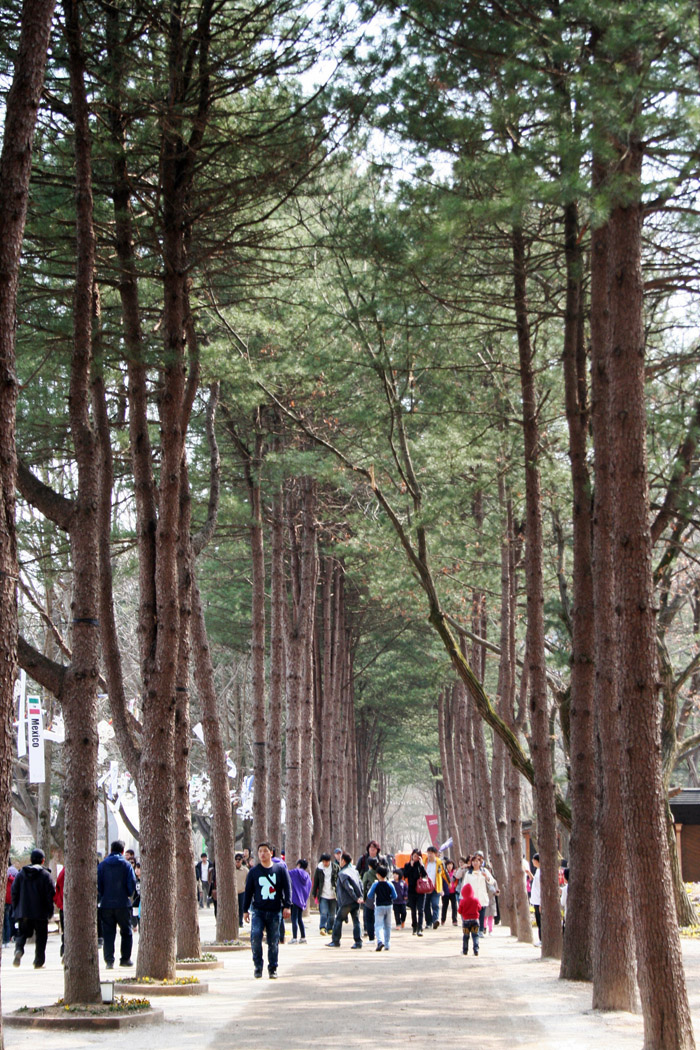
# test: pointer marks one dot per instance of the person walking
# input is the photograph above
(382, 894)
(413, 870)
(116, 886)
(32, 907)
(323, 890)
(536, 896)
(449, 892)
(241, 876)
(268, 891)
(469, 908)
(349, 895)
(301, 889)
(435, 868)
(399, 884)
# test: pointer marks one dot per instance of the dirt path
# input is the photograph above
(422, 989)
(425, 988)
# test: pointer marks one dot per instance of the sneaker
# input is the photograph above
(476, 951)
(303, 940)
(273, 975)
(333, 944)
(464, 951)
(379, 947)
(125, 962)
(38, 966)
(109, 966)
(294, 941)
(323, 932)
(436, 926)
(419, 933)
(358, 945)
(257, 973)
(17, 959)
(455, 923)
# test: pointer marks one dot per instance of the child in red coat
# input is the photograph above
(469, 909)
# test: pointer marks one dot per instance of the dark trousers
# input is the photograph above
(40, 929)
(352, 910)
(8, 926)
(368, 920)
(447, 899)
(111, 918)
(416, 902)
(298, 921)
(241, 898)
(400, 912)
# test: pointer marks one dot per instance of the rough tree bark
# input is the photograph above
(278, 673)
(21, 106)
(667, 1021)
(614, 986)
(535, 653)
(576, 959)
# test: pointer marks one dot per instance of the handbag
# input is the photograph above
(425, 885)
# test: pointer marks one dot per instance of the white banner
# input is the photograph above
(22, 717)
(113, 779)
(37, 771)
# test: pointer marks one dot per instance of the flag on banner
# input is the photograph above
(432, 822)
(37, 771)
(22, 717)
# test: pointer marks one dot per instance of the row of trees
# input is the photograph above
(447, 368)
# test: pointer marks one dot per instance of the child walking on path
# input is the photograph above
(382, 894)
(301, 888)
(469, 909)
(401, 898)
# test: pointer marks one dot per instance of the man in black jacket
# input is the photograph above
(32, 906)
(269, 891)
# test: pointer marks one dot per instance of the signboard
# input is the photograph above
(432, 822)
(35, 736)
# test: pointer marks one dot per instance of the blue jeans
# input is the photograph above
(264, 922)
(471, 926)
(382, 923)
(353, 910)
(432, 908)
(298, 920)
(326, 909)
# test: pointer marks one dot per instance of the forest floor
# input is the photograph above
(423, 988)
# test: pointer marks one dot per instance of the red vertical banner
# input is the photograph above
(432, 822)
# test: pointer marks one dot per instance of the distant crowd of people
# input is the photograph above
(429, 887)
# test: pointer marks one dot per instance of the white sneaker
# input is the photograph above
(294, 941)
(303, 940)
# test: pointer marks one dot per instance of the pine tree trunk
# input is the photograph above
(79, 699)
(223, 829)
(259, 722)
(576, 960)
(187, 917)
(278, 630)
(614, 982)
(667, 1021)
(21, 105)
(535, 655)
